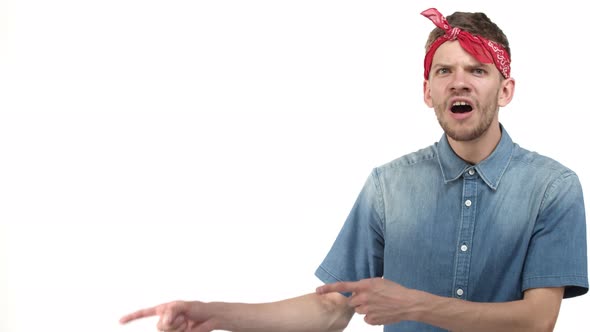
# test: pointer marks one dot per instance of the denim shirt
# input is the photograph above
(484, 232)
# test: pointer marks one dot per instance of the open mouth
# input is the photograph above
(461, 107)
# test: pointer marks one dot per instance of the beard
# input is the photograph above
(462, 131)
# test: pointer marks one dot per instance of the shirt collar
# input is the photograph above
(490, 169)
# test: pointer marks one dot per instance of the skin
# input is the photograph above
(455, 76)
(311, 312)
(386, 302)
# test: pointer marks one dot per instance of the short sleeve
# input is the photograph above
(557, 255)
(357, 252)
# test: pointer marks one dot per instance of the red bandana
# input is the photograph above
(485, 51)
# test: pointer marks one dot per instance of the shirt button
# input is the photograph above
(464, 248)
(459, 292)
(468, 203)
(471, 171)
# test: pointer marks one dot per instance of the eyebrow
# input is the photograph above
(470, 65)
(475, 64)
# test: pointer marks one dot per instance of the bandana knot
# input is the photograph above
(454, 33)
(482, 49)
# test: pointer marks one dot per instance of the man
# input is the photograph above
(473, 233)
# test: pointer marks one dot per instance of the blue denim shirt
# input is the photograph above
(484, 232)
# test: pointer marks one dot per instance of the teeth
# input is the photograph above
(460, 103)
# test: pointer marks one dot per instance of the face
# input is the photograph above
(465, 94)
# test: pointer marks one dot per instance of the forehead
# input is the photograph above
(451, 52)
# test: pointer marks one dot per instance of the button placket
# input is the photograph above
(465, 236)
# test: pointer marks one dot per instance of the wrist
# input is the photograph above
(423, 304)
(216, 312)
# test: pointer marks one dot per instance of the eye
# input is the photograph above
(479, 71)
(442, 70)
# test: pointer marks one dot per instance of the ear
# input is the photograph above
(506, 92)
(427, 97)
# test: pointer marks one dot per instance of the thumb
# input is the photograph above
(177, 322)
(173, 316)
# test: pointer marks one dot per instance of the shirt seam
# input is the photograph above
(554, 184)
(329, 273)
(557, 276)
(403, 161)
(381, 203)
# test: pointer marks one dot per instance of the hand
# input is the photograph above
(381, 301)
(177, 316)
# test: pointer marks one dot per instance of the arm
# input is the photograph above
(311, 312)
(537, 312)
(385, 302)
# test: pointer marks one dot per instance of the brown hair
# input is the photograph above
(474, 23)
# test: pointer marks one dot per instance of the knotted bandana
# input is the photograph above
(482, 49)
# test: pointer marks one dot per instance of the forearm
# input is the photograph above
(529, 314)
(307, 313)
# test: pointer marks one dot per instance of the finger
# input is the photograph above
(172, 317)
(357, 299)
(361, 309)
(373, 320)
(342, 287)
(181, 328)
(139, 314)
(177, 322)
(168, 320)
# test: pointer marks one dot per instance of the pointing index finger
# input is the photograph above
(341, 287)
(139, 314)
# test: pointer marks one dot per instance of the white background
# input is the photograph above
(211, 150)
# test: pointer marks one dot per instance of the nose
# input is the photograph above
(459, 82)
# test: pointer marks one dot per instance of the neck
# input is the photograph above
(478, 149)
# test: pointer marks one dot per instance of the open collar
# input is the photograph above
(490, 169)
